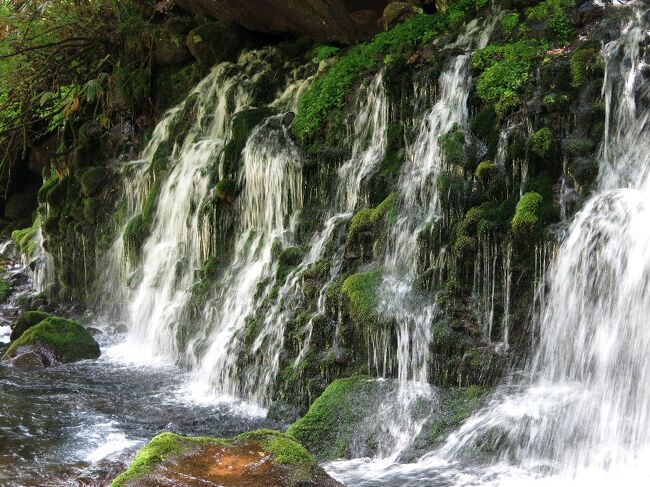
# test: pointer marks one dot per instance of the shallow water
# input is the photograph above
(80, 424)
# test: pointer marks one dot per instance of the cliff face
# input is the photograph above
(345, 21)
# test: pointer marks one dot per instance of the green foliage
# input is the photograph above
(287, 260)
(67, 339)
(63, 63)
(323, 52)
(554, 12)
(541, 142)
(510, 24)
(504, 71)
(328, 92)
(526, 219)
(584, 62)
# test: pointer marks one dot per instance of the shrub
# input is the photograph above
(541, 142)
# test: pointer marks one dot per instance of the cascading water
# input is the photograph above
(272, 196)
(583, 418)
(399, 299)
(255, 382)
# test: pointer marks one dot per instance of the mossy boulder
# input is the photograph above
(261, 457)
(366, 229)
(336, 424)
(93, 180)
(226, 190)
(25, 321)
(53, 341)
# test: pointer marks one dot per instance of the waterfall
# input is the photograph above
(254, 381)
(173, 180)
(583, 416)
(273, 194)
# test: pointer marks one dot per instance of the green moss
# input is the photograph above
(226, 190)
(366, 222)
(136, 234)
(327, 94)
(327, 428)
(285, 451)
(288, 259)
(360, 292)
(453, 147)
(526, 218)
(67, 339)
(171, 85)
(5, 290)
(25, 321)
(484, 170)
(541, 142)
(584, 62)
(93, 180)
(458, 405)
(24, 239)
(48, 185)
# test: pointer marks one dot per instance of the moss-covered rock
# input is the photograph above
(25, 321)
(54, 341)
(329, 429)
(359, 293)
(243, 124)
(260, 457)
(226, 190)
(93, 180)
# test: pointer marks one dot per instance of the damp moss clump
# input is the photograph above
(66, 339)
(526, 218)
(360, 293)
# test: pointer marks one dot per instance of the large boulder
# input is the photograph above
(51, 342)
(25, 321)
(214, 42)
(258, 458)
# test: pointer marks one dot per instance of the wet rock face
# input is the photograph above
(345, 21)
